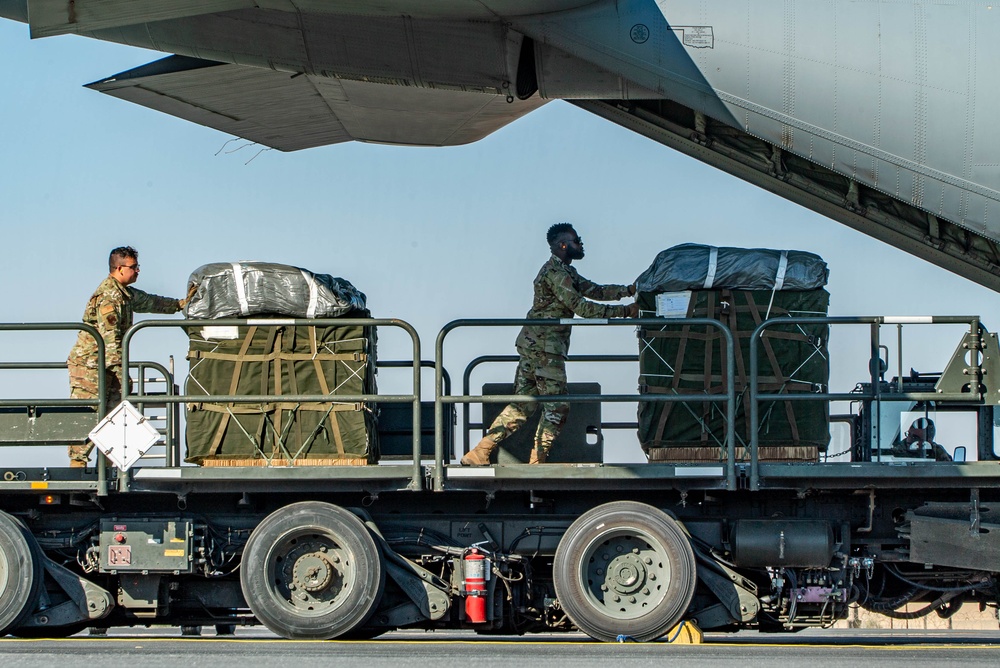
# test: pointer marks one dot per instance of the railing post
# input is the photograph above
(874, 365)
(416, 479)
(102, 409)
(439, 407)
(754, 409)
(730, 410)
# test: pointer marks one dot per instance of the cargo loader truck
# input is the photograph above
(734, 536)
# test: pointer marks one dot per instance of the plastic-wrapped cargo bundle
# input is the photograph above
(699, 267)
(277, 359)
(746, 287)
(240, 289)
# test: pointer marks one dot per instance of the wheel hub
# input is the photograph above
(312, 572)
(626, 575)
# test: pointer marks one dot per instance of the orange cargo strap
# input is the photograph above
(258, 409)
(271, 356)
(233, 385)
(706, 408)
(293, 385)
(674, 383)
(334, 423)
(277, 445)
(776, 369)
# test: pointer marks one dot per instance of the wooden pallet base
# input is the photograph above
(780, 453)
(258, 462)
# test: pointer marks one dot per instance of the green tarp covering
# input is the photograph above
(691, 360)
(282, 360)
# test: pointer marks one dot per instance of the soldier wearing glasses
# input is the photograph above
(110, 311)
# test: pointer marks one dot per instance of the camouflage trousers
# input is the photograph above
(83, 385)
(538, 373)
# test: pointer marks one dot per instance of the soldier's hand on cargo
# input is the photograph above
(181, 303)
(632, 310)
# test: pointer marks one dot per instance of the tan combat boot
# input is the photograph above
(480, 455)
(77, 464)
(538, 456)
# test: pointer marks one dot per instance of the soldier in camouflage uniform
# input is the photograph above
(110, 311)
(560, 292)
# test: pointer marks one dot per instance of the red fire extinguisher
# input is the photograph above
(476, 567)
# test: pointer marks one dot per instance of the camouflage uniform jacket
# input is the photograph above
(110, 311)
(561, 292)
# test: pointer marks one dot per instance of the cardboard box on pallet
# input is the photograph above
(686, 359)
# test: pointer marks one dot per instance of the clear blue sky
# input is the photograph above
(430, 235)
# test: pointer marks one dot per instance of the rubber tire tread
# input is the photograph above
(349, 532)
(579, 538)
(25, 573)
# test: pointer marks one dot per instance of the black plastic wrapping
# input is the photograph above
(688, 267)
(266, 288)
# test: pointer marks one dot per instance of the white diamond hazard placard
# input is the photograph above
(124, 435)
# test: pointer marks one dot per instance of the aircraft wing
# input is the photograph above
(290, 112)
(876, 114)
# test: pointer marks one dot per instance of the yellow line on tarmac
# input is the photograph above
(139, 641)
(895, 647)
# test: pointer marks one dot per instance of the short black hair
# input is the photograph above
(120, 255)
(556, 230)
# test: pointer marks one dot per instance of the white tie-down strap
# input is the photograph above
(313, 294)
(713, 265)
(241, 291)
(779, 279)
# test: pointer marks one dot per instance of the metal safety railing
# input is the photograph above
(424, 364)
(172, 447)
(100, 403)
(416, 478)
(440, 400)
(387, 432)
(443, 396)
(487, 359)
(756, 397)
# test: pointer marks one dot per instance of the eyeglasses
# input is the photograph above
(133, 267)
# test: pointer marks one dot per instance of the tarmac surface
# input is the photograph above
(255, 647)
